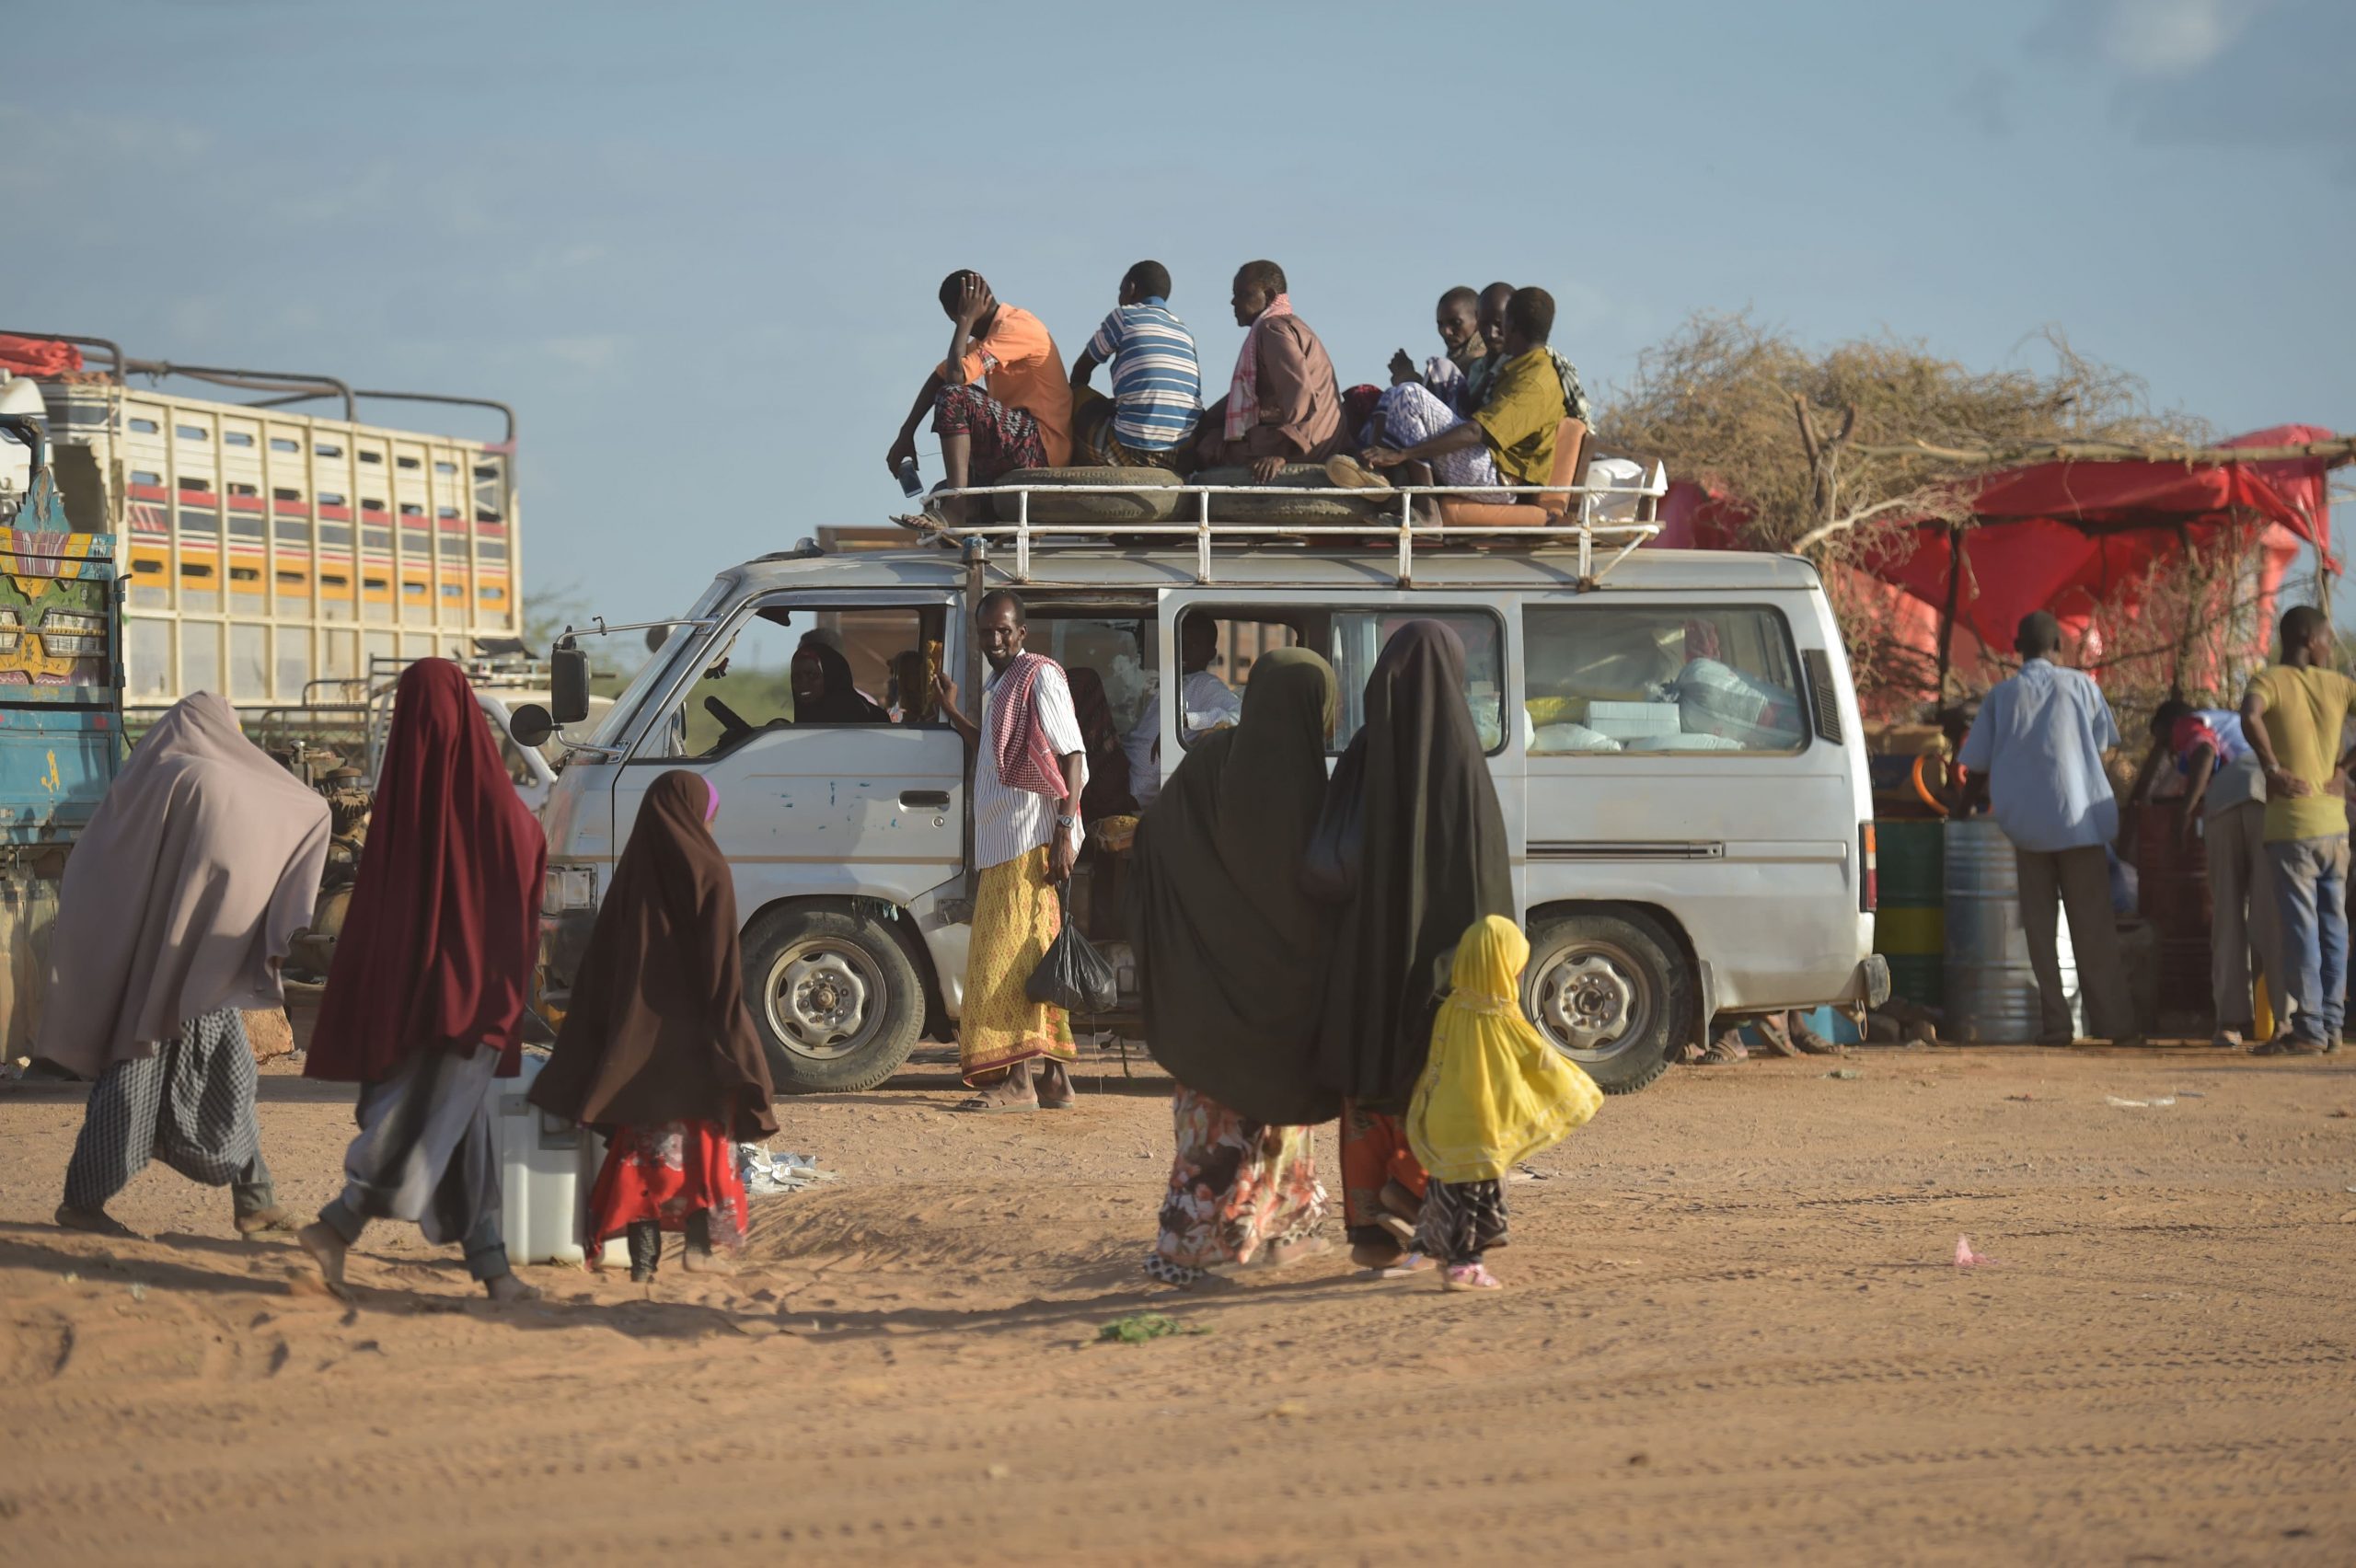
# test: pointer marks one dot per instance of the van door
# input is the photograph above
(1349, 628)
(1675, 779)
(867, 807)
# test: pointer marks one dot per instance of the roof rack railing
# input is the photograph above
(1588, 530)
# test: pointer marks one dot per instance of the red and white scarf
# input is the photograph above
(1244, 392)
(1018, 741)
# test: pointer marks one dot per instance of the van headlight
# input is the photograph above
(567, 888)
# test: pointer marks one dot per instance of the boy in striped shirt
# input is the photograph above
(1157, 381)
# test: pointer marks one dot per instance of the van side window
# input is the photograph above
(804, 666)
(1689, 678)
(1356, 641)
(1351, 641)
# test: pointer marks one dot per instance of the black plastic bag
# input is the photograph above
(1074, 976)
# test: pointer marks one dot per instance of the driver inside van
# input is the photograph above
(824, 692)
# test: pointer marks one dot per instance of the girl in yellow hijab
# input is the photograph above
(1492, 1095)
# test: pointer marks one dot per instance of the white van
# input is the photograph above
(1674, 737)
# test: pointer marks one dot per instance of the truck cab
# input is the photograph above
(61, 712)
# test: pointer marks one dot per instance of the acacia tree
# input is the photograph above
(1843, 455)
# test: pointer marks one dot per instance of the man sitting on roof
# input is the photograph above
(1459, 319)
(1509, 439)
(1284, 405)
(1493, 299)
(1000, 401)
(1148, 422)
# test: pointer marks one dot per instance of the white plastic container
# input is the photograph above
(548, 1166)
(1635, 720)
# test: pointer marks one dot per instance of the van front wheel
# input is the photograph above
(1613, 992)
(838, 1003)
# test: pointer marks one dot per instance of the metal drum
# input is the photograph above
(1909, 924)
(2174, 899)
(1990, 990)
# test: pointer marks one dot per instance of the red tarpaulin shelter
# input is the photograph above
(2066, 535)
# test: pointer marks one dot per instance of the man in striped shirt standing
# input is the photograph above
(1157, 381)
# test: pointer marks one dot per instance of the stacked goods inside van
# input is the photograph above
(1716, 700)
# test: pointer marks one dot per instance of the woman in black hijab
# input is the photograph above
(1430, 858)
(1230, 951)
(824, 692)
(657, 1050)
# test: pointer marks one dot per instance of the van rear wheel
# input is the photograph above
(1613, 993)
(838, 1004)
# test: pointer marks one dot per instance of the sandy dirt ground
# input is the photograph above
(1735, 1333)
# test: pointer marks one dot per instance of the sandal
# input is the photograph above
(96, 1222)
(1064, 1101)
(1726, 1048)
(991, 1105)
(1276, 1254)
(1469, 1276)
(271, 1221)
(1413, 1263)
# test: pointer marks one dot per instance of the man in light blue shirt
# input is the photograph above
(2036, 749)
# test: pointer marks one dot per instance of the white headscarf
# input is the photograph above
(182, 894)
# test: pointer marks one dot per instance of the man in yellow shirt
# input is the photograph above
(2292, 717)
(1508, 440)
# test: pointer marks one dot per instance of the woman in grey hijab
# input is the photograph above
(176, 908)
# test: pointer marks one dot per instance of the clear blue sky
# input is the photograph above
(698, 245)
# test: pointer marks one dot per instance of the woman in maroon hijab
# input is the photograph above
(657, 1051)
(425, 1000)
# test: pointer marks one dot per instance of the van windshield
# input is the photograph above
(652, 673)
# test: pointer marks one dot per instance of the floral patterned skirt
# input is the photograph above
(666, 1174)
(1237, 1186)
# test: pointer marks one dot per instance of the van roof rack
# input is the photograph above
(1598, 528)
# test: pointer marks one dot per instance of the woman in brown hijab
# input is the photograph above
(658, 1051)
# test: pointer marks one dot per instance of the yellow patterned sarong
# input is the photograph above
(1016, 916)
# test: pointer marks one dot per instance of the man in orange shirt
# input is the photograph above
(1000, 401)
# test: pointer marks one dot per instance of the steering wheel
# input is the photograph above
(732, 727)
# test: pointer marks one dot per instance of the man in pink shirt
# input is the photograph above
(1001, 401)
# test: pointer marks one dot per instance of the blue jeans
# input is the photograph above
(2311, 891)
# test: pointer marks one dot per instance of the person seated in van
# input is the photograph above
(912, 689)
(823, 692)
(1108, 794)
(1443, 375)
(1149, 422)
(1208, 704)
(1284, 404)
(830, 638)
(1509, 439)
(998, 402)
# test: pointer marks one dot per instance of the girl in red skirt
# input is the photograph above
(657, 1051)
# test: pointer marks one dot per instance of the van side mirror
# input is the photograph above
(568, 683)
(530, 726)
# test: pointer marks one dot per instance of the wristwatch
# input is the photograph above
(1067, 822)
